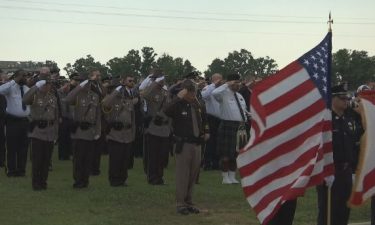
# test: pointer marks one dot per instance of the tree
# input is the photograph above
(174, 68)
(243, 63)
(352, 66)
(148, 60)
(84, 65)
(129, 64)
(188, 67)
(217, 66)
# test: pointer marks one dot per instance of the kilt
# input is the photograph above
(227, 138)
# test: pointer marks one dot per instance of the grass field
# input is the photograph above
(137, 204)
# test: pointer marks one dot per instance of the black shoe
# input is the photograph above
(19, 174)
(79, 185)
(183, 211)
(119, 184)
(95, 173)
(193, 210)
(37, 188)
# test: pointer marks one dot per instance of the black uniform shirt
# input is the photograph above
(342, 138)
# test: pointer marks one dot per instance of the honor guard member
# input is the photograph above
(232, 130)
(211, 158)
(100, 144)
(43, 129)
(17, 124)
(3, 106)
(86, 129)
(119, 113)
(65, 141)
(190, 129)
(158, 131)
(343, 143)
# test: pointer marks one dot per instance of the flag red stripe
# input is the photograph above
(262, 204)
(273, 80)
(279, 150)
(368, 181)
(290, 96)
(292, 121)
(285, 171)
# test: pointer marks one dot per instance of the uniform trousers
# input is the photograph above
(211, 155)
(100, 144)
(41, 155)
(340, 193)
(2, 142)
(82, 161)
(373, 210)
(285, 215)
(65, 141)
(158, 153)
(17, 145)
(118, 162)
(187, 168)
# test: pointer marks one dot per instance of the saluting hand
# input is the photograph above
(40, 83)
(182, 93)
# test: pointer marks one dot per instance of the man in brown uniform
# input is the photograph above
(190, 130)
(86, 129)
(158, 131)
(119, 113)
(43, 129)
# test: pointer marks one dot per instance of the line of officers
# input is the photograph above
(86, 116)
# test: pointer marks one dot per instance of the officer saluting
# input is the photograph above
(86, 129)
(190, 130)
(343, 141)
(119, 113)
(43, 129)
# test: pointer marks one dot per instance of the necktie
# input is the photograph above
(23, 105)
(195, 122)
(239, 107)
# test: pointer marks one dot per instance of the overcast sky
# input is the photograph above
(198, 30)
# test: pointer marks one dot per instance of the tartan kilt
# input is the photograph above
(227, 138)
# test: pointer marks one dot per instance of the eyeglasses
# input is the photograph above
(344, 98)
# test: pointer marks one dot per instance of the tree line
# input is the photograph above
(353, 66)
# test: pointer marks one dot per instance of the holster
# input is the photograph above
(32, 125)
(74, 126)
(179, 147)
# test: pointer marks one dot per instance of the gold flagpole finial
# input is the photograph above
(330, 22)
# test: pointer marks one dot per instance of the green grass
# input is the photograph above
(137, 204)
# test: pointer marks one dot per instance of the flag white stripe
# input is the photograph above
(265, 147)
(300, 104)
(276, 184)
(284, 86)
(282, 160)
(268, 210)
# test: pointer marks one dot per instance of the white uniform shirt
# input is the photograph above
(12, 93)
(212, 106)
(229, 109)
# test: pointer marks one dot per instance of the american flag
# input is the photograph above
(364, 185)
(290, 148)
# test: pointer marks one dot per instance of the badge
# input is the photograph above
(184, 113)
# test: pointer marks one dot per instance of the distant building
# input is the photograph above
(11, 66)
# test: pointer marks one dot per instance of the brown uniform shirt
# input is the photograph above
(157, 99)
(119, 109)
(43, 110)
(181, 113)
(86, 109)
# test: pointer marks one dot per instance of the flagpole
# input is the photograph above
(330, 22)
